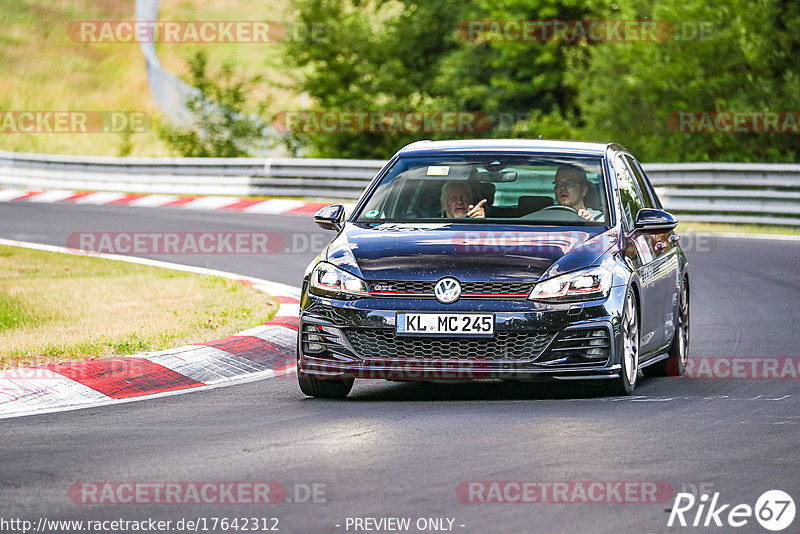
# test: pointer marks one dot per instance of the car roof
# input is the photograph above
(506, 145)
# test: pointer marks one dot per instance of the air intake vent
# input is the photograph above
(579, 346)
(514, 347)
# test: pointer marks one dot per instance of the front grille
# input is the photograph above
(487, 289)
(496, 288)
(401, 287)
(504, 347)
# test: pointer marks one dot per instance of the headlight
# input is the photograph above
(586, 284)
(329, 280)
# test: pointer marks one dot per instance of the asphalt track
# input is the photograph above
(403, 449)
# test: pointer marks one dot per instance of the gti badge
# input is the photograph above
(447, 290)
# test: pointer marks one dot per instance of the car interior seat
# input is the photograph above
(530, 203)
(592, 198)
(487, 191)
(429, 204)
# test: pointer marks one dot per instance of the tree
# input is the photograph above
(405, 55)
(376, 56)
(508, 71)
(421, 56)
(219, 126)
(746, 61)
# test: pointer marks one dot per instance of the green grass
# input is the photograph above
(250, 58)
(41, 68)
(57, 307)
(14, 314)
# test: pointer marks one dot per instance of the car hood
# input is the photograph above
(475, 252)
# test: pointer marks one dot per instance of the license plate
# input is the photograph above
(445, 324)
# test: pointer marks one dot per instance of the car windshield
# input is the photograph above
(552, 190)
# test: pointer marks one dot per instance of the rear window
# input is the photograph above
(538, 190)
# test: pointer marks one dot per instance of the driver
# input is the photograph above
(455, 201)
(571, 186)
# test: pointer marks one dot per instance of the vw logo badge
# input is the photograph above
(447, 290)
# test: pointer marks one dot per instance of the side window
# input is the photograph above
(656, 201)
(643, 189)
(631, 201)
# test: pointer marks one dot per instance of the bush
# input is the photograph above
(219, 126)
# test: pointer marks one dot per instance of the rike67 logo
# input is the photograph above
(774, 510)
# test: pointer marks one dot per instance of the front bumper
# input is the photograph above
(532, 340)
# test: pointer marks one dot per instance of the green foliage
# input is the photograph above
(517, 75)
(747, 62)
(553, 125)
(219, 126)
(376, 56)
(125, 144)
(410, 56)
(405, 55)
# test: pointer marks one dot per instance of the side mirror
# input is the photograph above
(330, 217)
(654, 221)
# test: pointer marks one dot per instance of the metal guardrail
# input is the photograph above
(320, 178)
(713, 192)
(169, 91)
(760, 193)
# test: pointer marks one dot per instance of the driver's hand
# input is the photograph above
(585, 214)
(477, 210)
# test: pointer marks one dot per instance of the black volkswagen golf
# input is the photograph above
(497, 259)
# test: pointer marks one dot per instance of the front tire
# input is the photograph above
(625, 383)
(675, 364)
(323, 388)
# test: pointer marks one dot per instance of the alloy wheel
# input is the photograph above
(630, 335)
